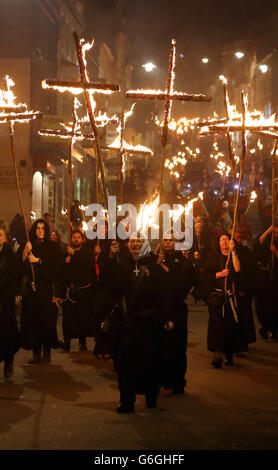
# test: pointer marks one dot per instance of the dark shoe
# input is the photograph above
(34, 360)
(65, 345)
(178, 391)
(263, 332)
(229, 362)
(83, 347)
(151, 402)
(8, 370)
(217, 364)
(125, 408)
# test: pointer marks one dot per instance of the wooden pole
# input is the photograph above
(87, 98)
(121, 156)
(273, 160)
(69, 198)
(242, 164)
(229, 139)
(12, 147)
(164, 135)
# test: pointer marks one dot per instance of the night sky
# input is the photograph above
(202, 28)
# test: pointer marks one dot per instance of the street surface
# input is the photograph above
(71, 404)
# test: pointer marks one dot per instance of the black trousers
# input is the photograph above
(128, 396)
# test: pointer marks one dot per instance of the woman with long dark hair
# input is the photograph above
(39, 309)
(9, 288)
(223, 327)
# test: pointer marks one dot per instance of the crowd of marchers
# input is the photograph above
(132, 301)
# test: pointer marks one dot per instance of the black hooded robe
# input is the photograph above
(80, 277)
(266, 298)
(223, 330)
(39, 314)
(137, 355)
(174, 288)
(247, 285)
(9, 288)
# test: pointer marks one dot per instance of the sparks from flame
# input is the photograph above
(118, 145)
(7, 100)
(147, 216)
(253, 196)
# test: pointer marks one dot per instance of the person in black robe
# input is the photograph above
(105, 295)
(40, 298)
(9, 288)
(176, 278)
(266, 298)
(223, 328)
(198, 266)
(247, 285)
(76, 215)
(137, 326)
(80, 277)
(17, 230)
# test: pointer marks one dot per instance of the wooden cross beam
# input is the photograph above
(88, 89)
(18, 108)
(65, 134)
(77, 87)
(168, 95)
(129, 149)
(20, 117)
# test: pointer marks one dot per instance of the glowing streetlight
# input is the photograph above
(205, 60)
(223, 79)
(239, 55)
(263, 68)
(149, 67)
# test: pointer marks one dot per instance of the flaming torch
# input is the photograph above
(168, 95)
(253, 122)
(12, 113)
(88, 89)
(122, 147)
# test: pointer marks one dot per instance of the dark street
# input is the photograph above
(71, 404)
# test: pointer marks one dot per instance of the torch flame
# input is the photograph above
(253, 196)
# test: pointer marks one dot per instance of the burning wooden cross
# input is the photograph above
(10, 114)
(88, 89)
(169, 95)
(245, 122)
(123, 148)
(273, 189)
(72, 132)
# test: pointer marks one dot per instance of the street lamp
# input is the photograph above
(149, 66)
(239, 55)
(223, 79)
(263, 68)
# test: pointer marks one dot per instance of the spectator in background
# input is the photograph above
(76, 215)
(216, 234)
(198, 265)
(17, 229)
(201, 242)
(56, 237)
(245, 230)
(48, 220)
